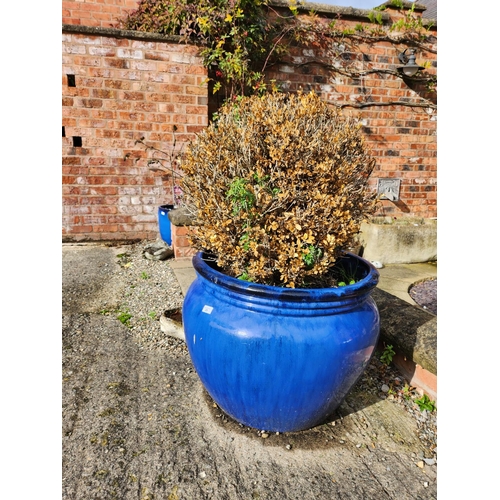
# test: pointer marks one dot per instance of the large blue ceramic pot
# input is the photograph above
(279, 359)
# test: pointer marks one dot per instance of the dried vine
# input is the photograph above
(338, 47)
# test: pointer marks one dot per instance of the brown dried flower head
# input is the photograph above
(280, 186)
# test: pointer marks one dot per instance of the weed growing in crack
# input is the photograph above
(387, 355)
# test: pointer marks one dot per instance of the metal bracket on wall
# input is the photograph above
(388, 189)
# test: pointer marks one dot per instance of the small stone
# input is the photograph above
(377, 264)
(420, 464)
(264, 435)
(430, 461)
(426, 484)
(158, 251)
(288, 446)
(203, 475)
(385, 388)
(182, 216)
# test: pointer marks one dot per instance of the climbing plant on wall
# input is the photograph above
(235, 36)
(344, 48)
(240, 39)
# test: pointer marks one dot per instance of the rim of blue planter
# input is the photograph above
(167, 207)
(205, 264)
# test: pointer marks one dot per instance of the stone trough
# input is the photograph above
(399, 241)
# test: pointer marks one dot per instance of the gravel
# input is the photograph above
(424, 294)
(152, 289)
(388, 383)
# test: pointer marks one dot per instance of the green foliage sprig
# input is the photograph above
(425, 403)
(411, 23)
(387, 355)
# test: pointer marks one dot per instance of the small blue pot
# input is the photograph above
(279, 359)
(164, 223)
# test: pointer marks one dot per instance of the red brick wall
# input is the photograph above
(102, 13)
(124, 89)
(127, 88)
(402, 138)
(180, 241)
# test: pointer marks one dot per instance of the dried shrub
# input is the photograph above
(280, 185)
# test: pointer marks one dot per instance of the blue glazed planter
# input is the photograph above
(279, 359)
(164, 223)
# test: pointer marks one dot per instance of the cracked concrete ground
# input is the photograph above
(137, 423)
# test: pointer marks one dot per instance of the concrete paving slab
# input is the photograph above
(397, 279)
(184, 272)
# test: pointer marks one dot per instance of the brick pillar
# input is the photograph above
(180, 242)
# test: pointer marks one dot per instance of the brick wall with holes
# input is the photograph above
(116, 91)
